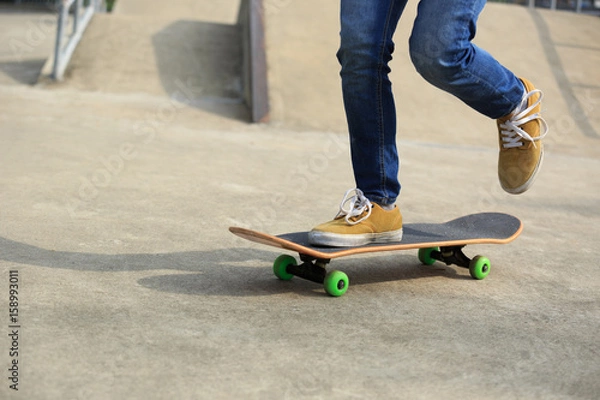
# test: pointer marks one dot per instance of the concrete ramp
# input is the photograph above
(222, 11)
(165, 49)
(558, 51)
(183, 49)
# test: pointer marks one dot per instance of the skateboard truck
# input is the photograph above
(312, 269)
(478, 266)
(452, 255)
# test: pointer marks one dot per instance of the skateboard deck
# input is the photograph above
(435, 241)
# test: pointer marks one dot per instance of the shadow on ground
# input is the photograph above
(26, 72)
(246, 272)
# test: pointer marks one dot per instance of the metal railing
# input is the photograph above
(66, 42)
(571, 5)
(45, 2)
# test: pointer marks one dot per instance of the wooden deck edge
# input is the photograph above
(274, 241)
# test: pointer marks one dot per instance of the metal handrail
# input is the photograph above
(81, 18)
(553, 5)
(593, 5)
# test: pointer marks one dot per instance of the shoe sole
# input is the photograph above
(329, 239)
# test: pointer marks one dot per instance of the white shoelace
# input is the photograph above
(511, 131)
(354, 206)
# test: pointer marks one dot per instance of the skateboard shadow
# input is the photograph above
(398, 267)
(252, 280)
(22, 253)
(219, 272)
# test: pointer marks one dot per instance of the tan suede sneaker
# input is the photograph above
(358, 222)
(521, 149)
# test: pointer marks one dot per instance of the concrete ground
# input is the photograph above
(118, 186)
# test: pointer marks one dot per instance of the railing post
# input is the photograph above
(63, 52)
(76, 13)
(59, 37)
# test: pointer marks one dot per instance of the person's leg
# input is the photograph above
(368, 214)
(442, 52)
(366, 48)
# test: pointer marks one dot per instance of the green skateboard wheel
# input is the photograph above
(479, 267)
(336, 283)
(425, 255)
(280, 267)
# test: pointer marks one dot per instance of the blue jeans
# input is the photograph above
(441, 51)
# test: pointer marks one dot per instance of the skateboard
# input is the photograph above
(435, 242)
